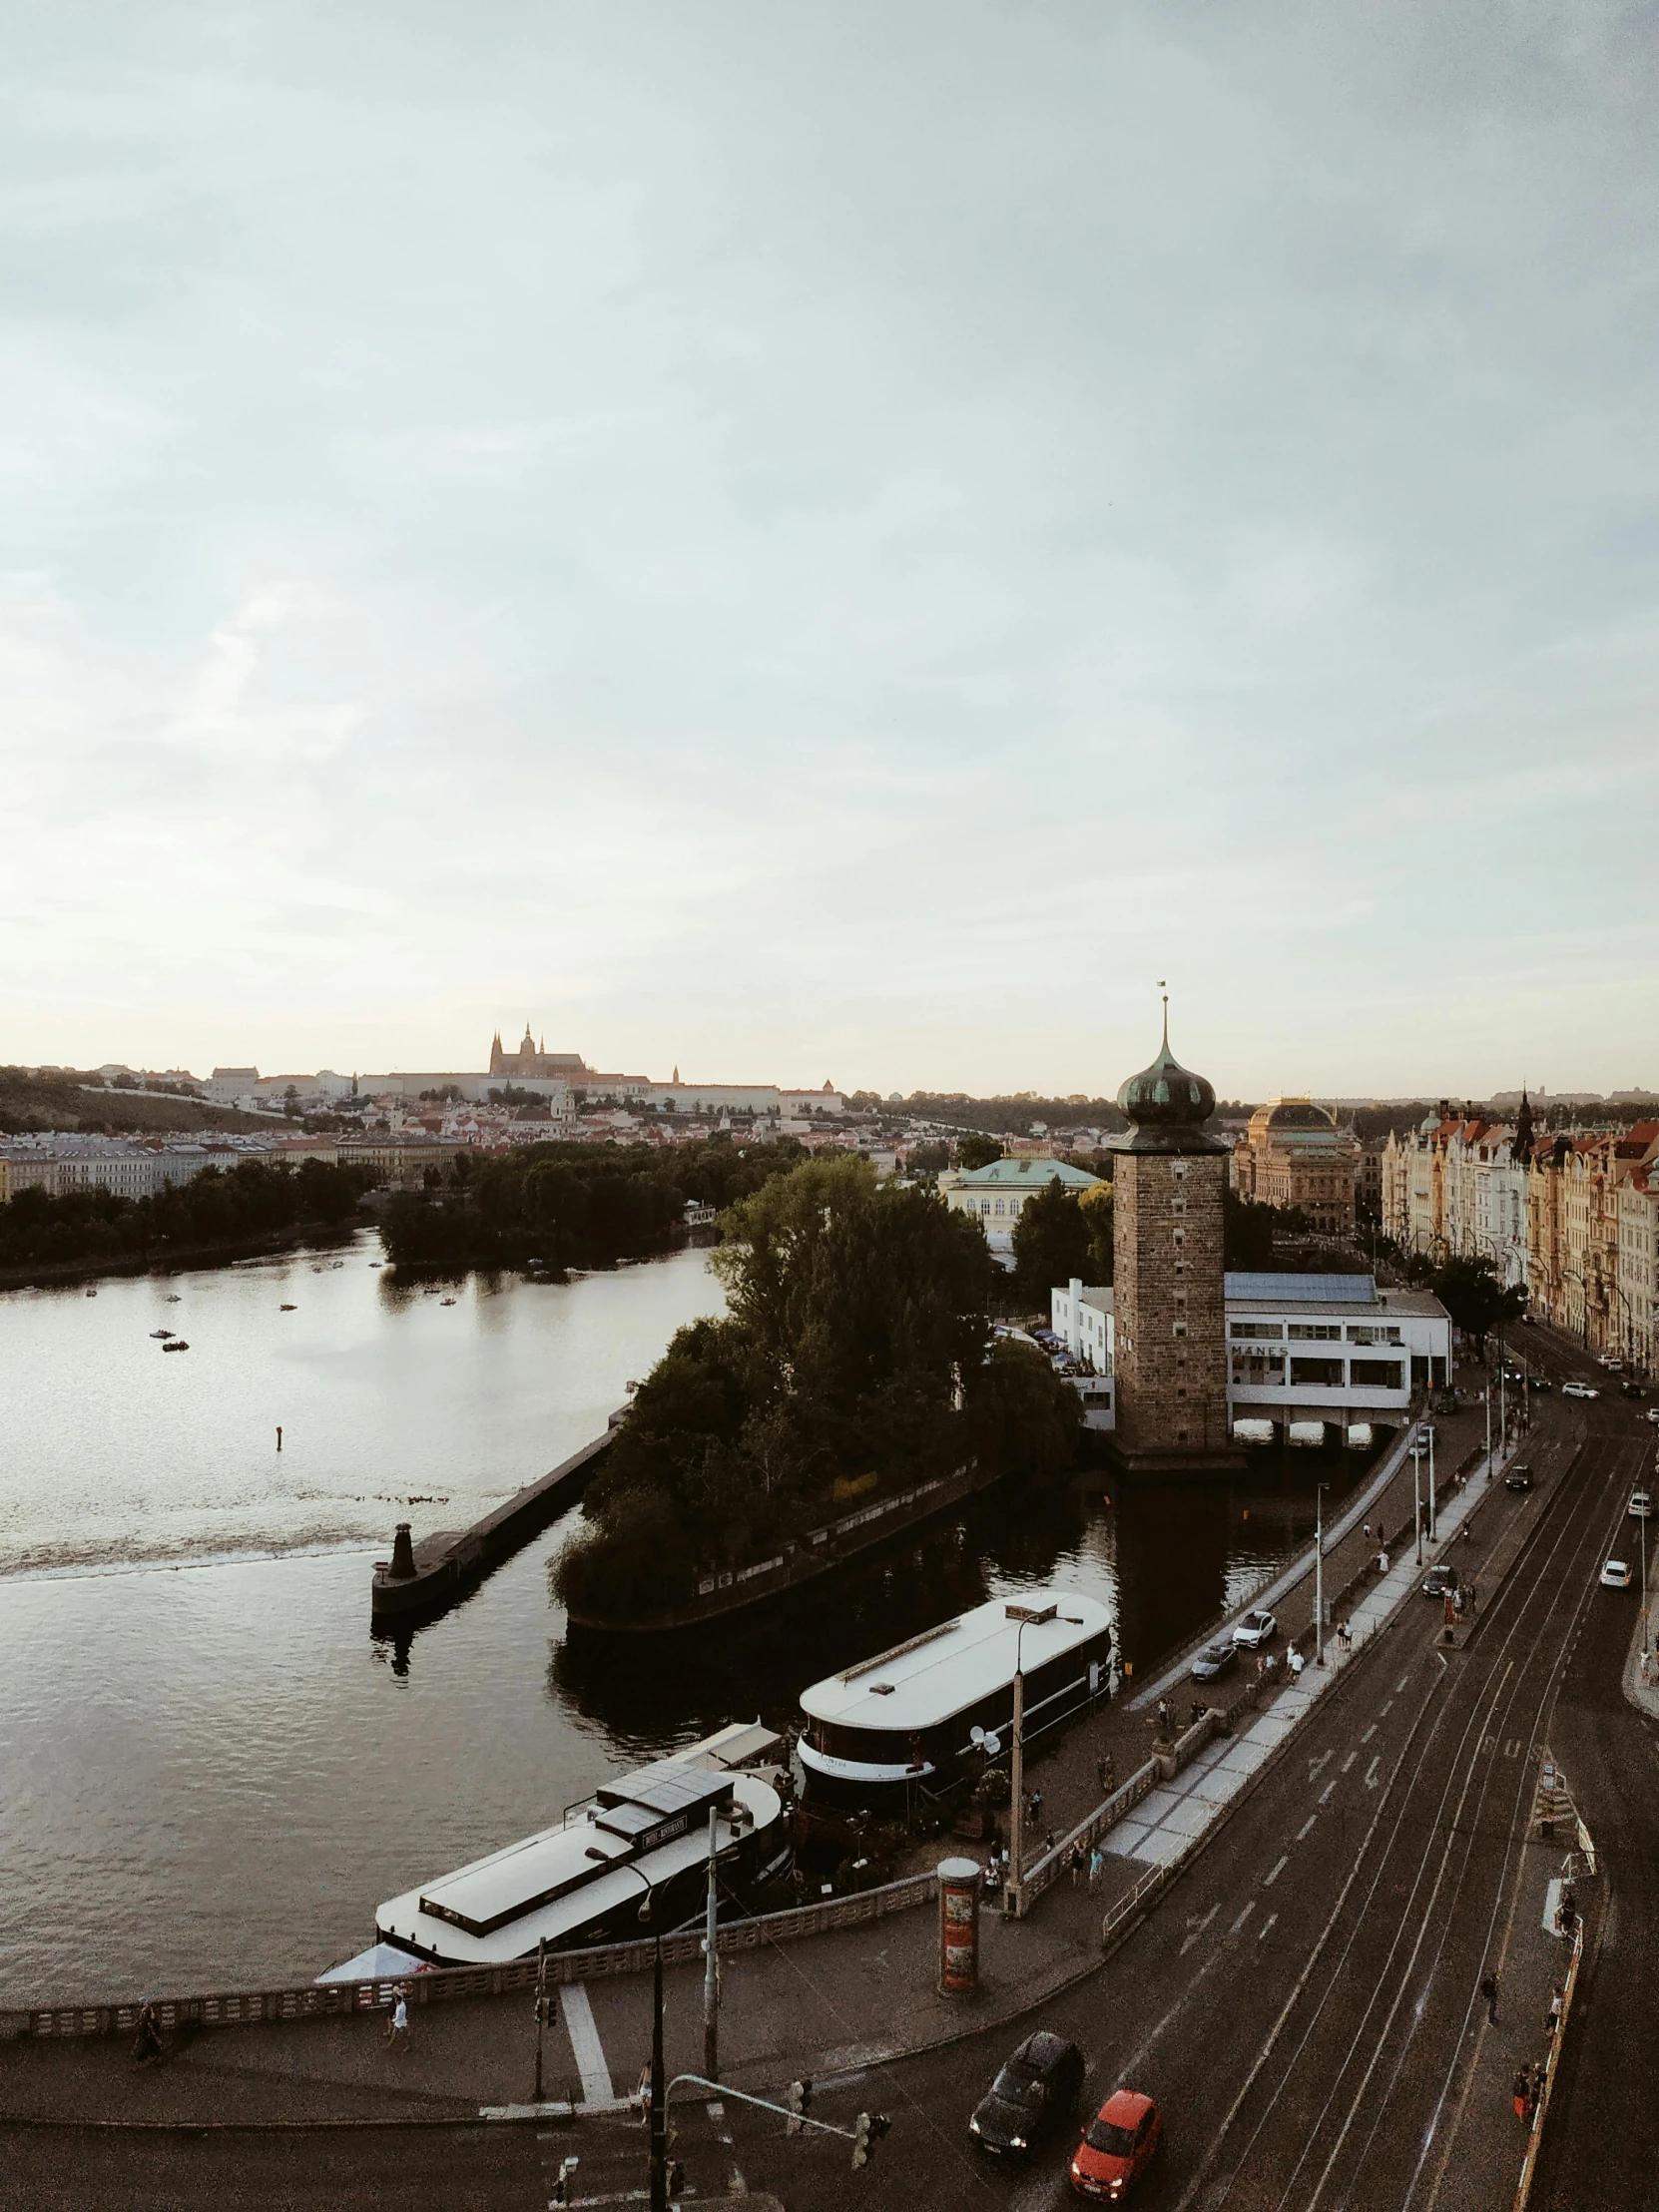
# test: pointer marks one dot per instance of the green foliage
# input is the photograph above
(67, 1099)
(254, 1199)
(1471, 1294)
(1052, 1243)
(928, 1159)
(976, 1152)
(855, 1344)
(572, 1204)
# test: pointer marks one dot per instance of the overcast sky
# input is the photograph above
(834, 540)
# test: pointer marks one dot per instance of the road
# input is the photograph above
(1304, 2003)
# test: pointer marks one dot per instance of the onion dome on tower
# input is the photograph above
(1167, 1106)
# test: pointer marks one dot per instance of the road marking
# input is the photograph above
(1401, 1684)
(1369, 1734)
(1243, 1917)
(1316, 1766)
(1199, 1930)
(584, 2041)
(1348, 1761)
(1324, 1794)
(715, 2109)
(1371, 1772)
(1512, 1749)
(1268, 1880)
(1387, 1710)
(737, 2186)
(1302, 1832)
(1266, 1924)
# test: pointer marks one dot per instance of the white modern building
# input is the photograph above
(1305, 1354)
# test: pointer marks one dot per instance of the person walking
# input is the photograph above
(1108, 1775)
(1521, 2092)
(1163, 1716)
(147, 2046)
(1558, 2004)
(397, 2026)
(1488, 1989)
(1074, 1865)
(1097, 1867)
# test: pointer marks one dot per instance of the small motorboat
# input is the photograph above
(92, 1294)
(171, 1299)
(162, 1333)
(288, 1309)
(446, 1302)
(178, 1344)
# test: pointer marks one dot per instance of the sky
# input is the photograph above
(836, 541)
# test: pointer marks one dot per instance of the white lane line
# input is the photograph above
(1387, 1710)
(1401, 1684)
(715, 2109)
(584, 2041)
(1199, 1930)
(1268, 1880)
(1371, 1772)
(1243, 1917)
(1266, 1924)
(1348, 1761)
(1324, 1794)
(1302, 1832)
(1316, 1767)
(1369, 1734)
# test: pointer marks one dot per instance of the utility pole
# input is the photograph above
(1028, 1616)
(659, 2099)
(1433, 1523)
(541, 2008)
(1416, 1492)
(1318, 1574)
(711, 1967)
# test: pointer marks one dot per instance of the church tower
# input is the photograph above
(1168, 1320)
(1520, 1144)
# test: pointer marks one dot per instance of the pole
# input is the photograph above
(659, 2101)
(1434, 1523)
(711, 1969)
(1318, 1574)
(541, 2008)
(1416, 1495)
(1490, 1422)
(1016, 1812)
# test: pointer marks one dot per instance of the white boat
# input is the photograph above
(644, 1835)
(913, 1713)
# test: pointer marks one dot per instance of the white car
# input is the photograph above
(1654, 1415)
(1641, 1505)
(1615, 1575)
(1612, 1363)
(1580, 1390)
(1256, 1629)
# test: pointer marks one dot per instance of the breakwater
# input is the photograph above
(423, 1578)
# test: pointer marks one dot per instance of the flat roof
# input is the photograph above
(1358, 1289)
(939, 1673)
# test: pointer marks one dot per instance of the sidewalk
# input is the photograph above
(1641, 1684)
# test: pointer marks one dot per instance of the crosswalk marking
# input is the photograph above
(584, 2041)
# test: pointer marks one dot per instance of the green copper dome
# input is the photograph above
(1167, 1096)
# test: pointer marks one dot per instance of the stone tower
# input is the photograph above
(1169, 1319)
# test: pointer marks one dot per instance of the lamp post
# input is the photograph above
(1028, 1616)
(710, 1963)
(659, 2112)
(1320, 1489)
(1417, 1490)
(1433, 1519)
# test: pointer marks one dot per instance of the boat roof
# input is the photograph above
(738, 1743)
(944, 1670)
(548, 1887)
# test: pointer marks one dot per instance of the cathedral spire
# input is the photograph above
(1520, 1144)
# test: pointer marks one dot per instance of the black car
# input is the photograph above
(1537, 1382)
(1213, 1660)
(1631, 1390)
(1035, 2092)
(1518, 1478)
(1439, 1582)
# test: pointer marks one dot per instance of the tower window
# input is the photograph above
(1180, 1329)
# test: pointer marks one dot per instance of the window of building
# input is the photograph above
(1377, 1375)
(999, 1206)
(1316, 1332)
(1259, 1368)
(1180, 1329)
(1368, 1334)
(1241, 1330)
(1180, 1238)
(1317, 1374)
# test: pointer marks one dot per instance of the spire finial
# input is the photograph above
(1163, 986)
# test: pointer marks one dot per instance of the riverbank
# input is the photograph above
(222, 1252)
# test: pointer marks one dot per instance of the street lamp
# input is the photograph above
(659, 2113)
(1320, 1489)
(1028, 1616)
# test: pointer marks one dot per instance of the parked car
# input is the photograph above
(1580, 1390)
(1518, 1478)
(1256, 1629)
(1615, 1575)
(1654, 1415)
(1611, 1362)
(1118, 2145)
(1632, 1389)
(1438, 1580)
(1641, 1505)
(1031, 2095)
(1213, 1660)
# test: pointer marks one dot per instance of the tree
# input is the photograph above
(976, 1152)
(1052, 1243)
(1471, 1294)
(1098, 1211)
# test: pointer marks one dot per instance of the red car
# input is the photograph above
(1118, 2145)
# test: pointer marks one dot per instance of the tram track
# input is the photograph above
(1444, 1863)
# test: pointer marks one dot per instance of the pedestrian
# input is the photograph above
(1097, 1867)
(1108, 1775)
(1521, 2092)
(1383, 1561)
(398, 2027)
(147, 2045)
(1163, 1716)
(1100, 1775)
(1367, 1531)
(644, 2093)
(1295, 1660)
(1488, 1989)
(1557, 2006)
(1346, 1632)
(1048, 1840)
(1074, 1865)
(1037, 1803)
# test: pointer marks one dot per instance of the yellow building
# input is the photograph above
(1294, 1155)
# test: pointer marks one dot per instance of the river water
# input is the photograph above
(210, 1770)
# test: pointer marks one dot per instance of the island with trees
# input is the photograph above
(856, 1360)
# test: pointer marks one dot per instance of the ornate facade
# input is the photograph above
(1593, 1238)
(1294, 1155)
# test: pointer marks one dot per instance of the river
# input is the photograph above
(210, 1770)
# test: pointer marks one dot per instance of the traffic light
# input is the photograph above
(799, 2101)
(867, 2131)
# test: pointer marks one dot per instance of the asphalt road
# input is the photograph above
(1302, 2002)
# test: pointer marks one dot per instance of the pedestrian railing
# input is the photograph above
(441, 1984)
(1111, 1810)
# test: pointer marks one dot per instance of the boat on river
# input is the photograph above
(643, 1835)
(915, 1714)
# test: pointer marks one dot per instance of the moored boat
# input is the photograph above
(914, 1713)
